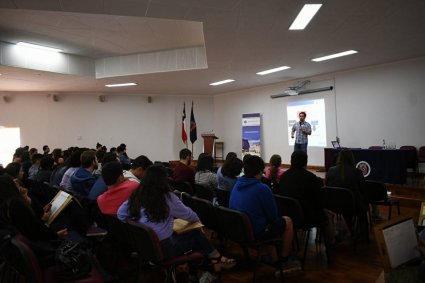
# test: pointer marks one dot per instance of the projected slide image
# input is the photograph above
(315, 110)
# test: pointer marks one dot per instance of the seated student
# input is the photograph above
(57, 155)
(228, 173)
(183, 172)
(255, 199)
(138, 168)
(26, 163)
(119, 189)
(100, 186)
(73, 163)
(15, 209)
(346, 175)
(46, 149)
(301, 184)
(46, 169)
(83, 179)
(122, 155)
(13, 169)
(35, 165)
(274, 172)
(204, 175)
(156, 206)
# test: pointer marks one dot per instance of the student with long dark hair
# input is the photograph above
(228, 173)
(204, 172)
(346, 175)
(156, 206)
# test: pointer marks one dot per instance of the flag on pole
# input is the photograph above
(193, 135)
(184, 134)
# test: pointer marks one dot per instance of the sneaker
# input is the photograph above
(289, 268)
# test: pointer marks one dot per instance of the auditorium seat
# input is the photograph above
(421, 158)
(375, 147)
(412, 156)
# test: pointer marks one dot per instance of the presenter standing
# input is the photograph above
(303, 130)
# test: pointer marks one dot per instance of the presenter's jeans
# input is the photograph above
(300, 146)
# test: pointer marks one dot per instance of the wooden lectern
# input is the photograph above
(209, 139)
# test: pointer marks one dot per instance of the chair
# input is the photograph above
(223, 197)
(421, 158)
(182, 187)
(291, 207)
(412, 156)
(21, 256)
(206, 212)
(342, 201)
(375, 147)
(236, 226)
(186, 199)
(376, 193)
(146, 243)
(118, 233)
(204, 192)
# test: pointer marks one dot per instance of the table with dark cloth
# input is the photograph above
(388, 166)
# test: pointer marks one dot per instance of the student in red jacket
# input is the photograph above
(119, 189)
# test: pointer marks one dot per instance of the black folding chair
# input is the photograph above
(182, 187)
(292, 208)
(376, 193)
(342, 201)
(146, 243)
(204, 192)
(236, 226)
(223, 197)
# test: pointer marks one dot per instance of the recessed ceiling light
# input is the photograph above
(332, 56)
(222, 82)
(305, 16)
(25, 44)
(273, 70)
(118, 85)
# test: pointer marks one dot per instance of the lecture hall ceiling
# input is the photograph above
(174, 47)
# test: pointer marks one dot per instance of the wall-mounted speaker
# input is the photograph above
(102, 98)
(149, 99)
(7, 98)
(55, 97)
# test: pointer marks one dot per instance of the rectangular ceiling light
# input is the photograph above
(25, 44)
(305, 16)
(274, 70)
(118, 85)
(332, 56)
(222, 82)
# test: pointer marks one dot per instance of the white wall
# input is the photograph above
(380, 102)
(153, 129)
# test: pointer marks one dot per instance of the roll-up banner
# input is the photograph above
(251, 134)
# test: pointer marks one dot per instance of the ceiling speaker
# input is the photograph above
(102, 98)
